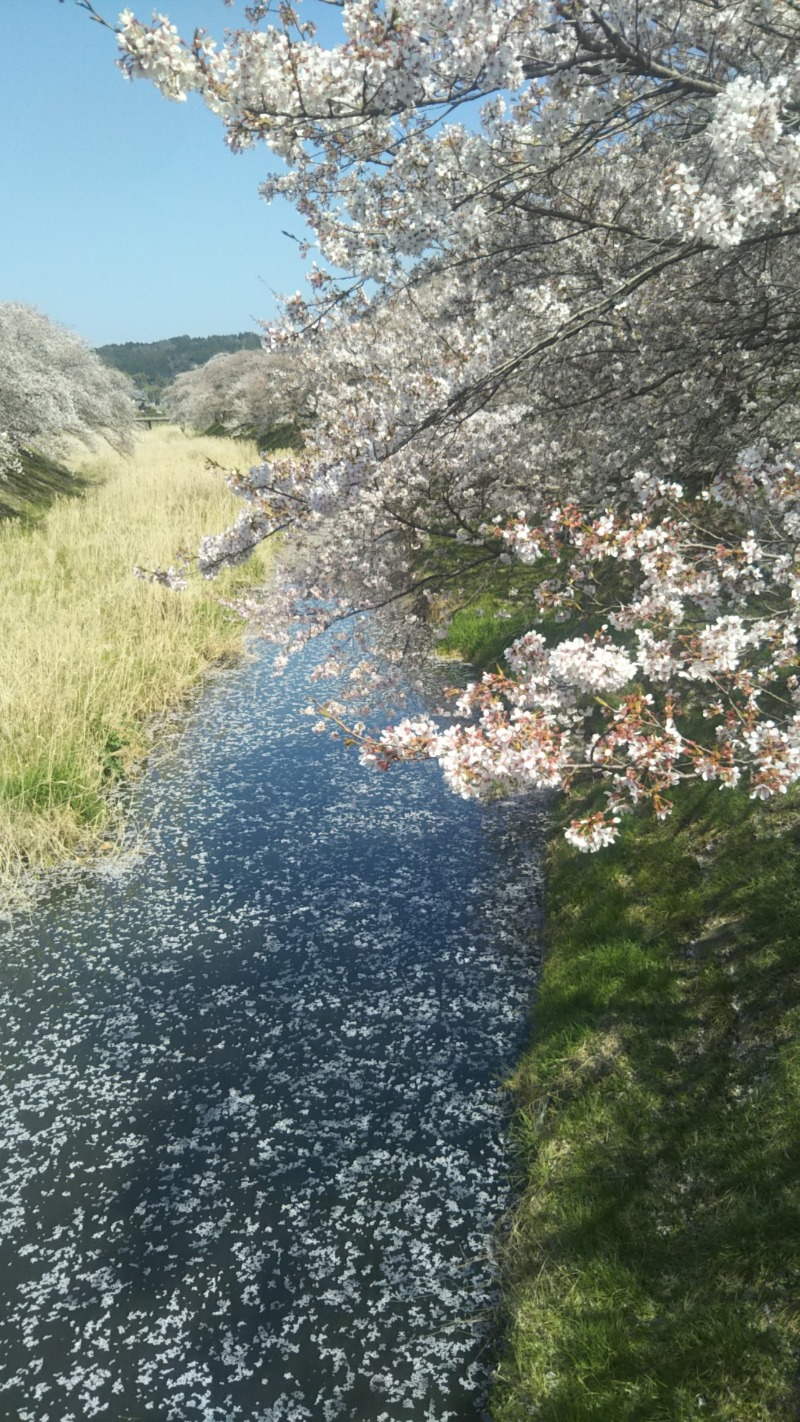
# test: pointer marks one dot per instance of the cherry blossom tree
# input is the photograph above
(554, 334)
(53, 385)
(247, 392)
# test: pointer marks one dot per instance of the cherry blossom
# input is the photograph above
(551, 327)
(246, 392)
(52, 386)
(710, 640)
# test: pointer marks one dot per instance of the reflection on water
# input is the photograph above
(254, 1138)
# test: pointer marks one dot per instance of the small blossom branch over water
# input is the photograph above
(702, 604)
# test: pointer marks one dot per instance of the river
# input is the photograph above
(254, 1144)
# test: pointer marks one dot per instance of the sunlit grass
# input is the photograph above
(484, 629)
(88, 652)
(653, 1269)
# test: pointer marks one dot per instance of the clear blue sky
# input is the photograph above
(125, 216)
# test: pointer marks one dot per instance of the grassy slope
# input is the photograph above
(88, 652)
(480, 635)
(30, 491)
(652, 1270)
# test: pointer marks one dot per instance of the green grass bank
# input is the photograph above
(652, 1264)
(90, 655)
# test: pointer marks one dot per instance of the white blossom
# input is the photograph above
(52, 385)
(554, 331)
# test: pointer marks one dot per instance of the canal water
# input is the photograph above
(254, 1151)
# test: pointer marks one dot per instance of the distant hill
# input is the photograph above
(152, 365)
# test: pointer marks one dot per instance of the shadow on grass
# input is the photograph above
(28, 492)
(653, 1266)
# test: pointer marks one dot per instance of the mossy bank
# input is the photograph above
(88, 653)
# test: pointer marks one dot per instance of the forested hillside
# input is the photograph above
(154, 364)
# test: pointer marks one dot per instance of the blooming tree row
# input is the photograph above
(247, 392)
(53, 385)
(554, 331)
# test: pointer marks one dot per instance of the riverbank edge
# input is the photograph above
(652, 1264)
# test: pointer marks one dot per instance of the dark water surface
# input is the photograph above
(253, 1144)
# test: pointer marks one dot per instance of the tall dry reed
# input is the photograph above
(87, 652)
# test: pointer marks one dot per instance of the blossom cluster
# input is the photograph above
(754, 158)
(701, 598)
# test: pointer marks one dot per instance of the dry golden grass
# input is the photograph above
(88, 652)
